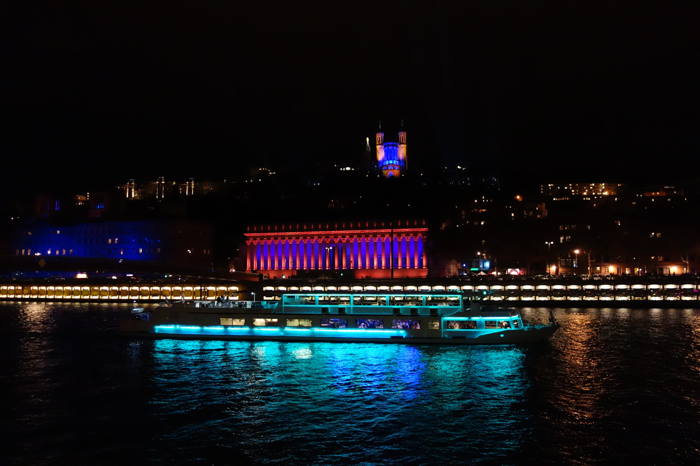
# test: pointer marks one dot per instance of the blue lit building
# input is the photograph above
(182, 242)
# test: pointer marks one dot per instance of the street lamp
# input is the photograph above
(588, 256)
(253, 293)
(576, 253)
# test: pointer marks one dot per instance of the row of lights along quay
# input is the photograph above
(521, 290)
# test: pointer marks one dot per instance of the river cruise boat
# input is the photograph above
(381, 318)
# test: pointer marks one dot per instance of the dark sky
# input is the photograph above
(550, 89)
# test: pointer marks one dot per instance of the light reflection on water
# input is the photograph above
(613, 385)
(343, 401)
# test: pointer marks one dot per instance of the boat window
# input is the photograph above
(406, 324)
(231, 321)
(504, 324)
(460, 324)
(298, 322)
(491, 324)
(369, 323)
(334, 323)
(516, 324)
(265, 322)
(434, 325)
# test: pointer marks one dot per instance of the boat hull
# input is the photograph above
(528, 335)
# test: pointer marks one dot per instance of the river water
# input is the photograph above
(612, 386)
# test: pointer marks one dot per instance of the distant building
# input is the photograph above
(585, 191)
(175, 242)
(365, 249)
(189, 187)
(662, 192)
(130, 189)
(392, 159)
(160, 188)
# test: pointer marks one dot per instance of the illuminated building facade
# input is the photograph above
(131, 189)
(366, 249)
(173, 242)
(585, 191)
(391, 156)
(160, 188)
(189, 187)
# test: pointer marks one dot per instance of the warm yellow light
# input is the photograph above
(577, 251)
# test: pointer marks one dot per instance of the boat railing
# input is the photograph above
(235, 304)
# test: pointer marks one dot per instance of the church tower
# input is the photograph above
(403, 158)
(379, 141)
(391, 156)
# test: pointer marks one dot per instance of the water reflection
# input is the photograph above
(612, 386)
(362, 400)
(617, 381)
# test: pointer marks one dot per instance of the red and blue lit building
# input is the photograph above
(365, 249)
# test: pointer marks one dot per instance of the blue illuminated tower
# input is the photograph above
(391, 156)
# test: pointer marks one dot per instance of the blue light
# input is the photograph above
(391, 160)
(83, 240)
(313, 331)
(299, 330)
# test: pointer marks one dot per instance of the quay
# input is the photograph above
(575, 292)
(141, 292)
(637, 291)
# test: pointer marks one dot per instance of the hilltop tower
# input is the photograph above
(392, 158)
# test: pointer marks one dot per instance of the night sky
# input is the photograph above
(553, 89)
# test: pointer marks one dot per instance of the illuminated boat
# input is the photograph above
(381, 318)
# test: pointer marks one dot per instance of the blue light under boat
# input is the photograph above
(291, 331)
